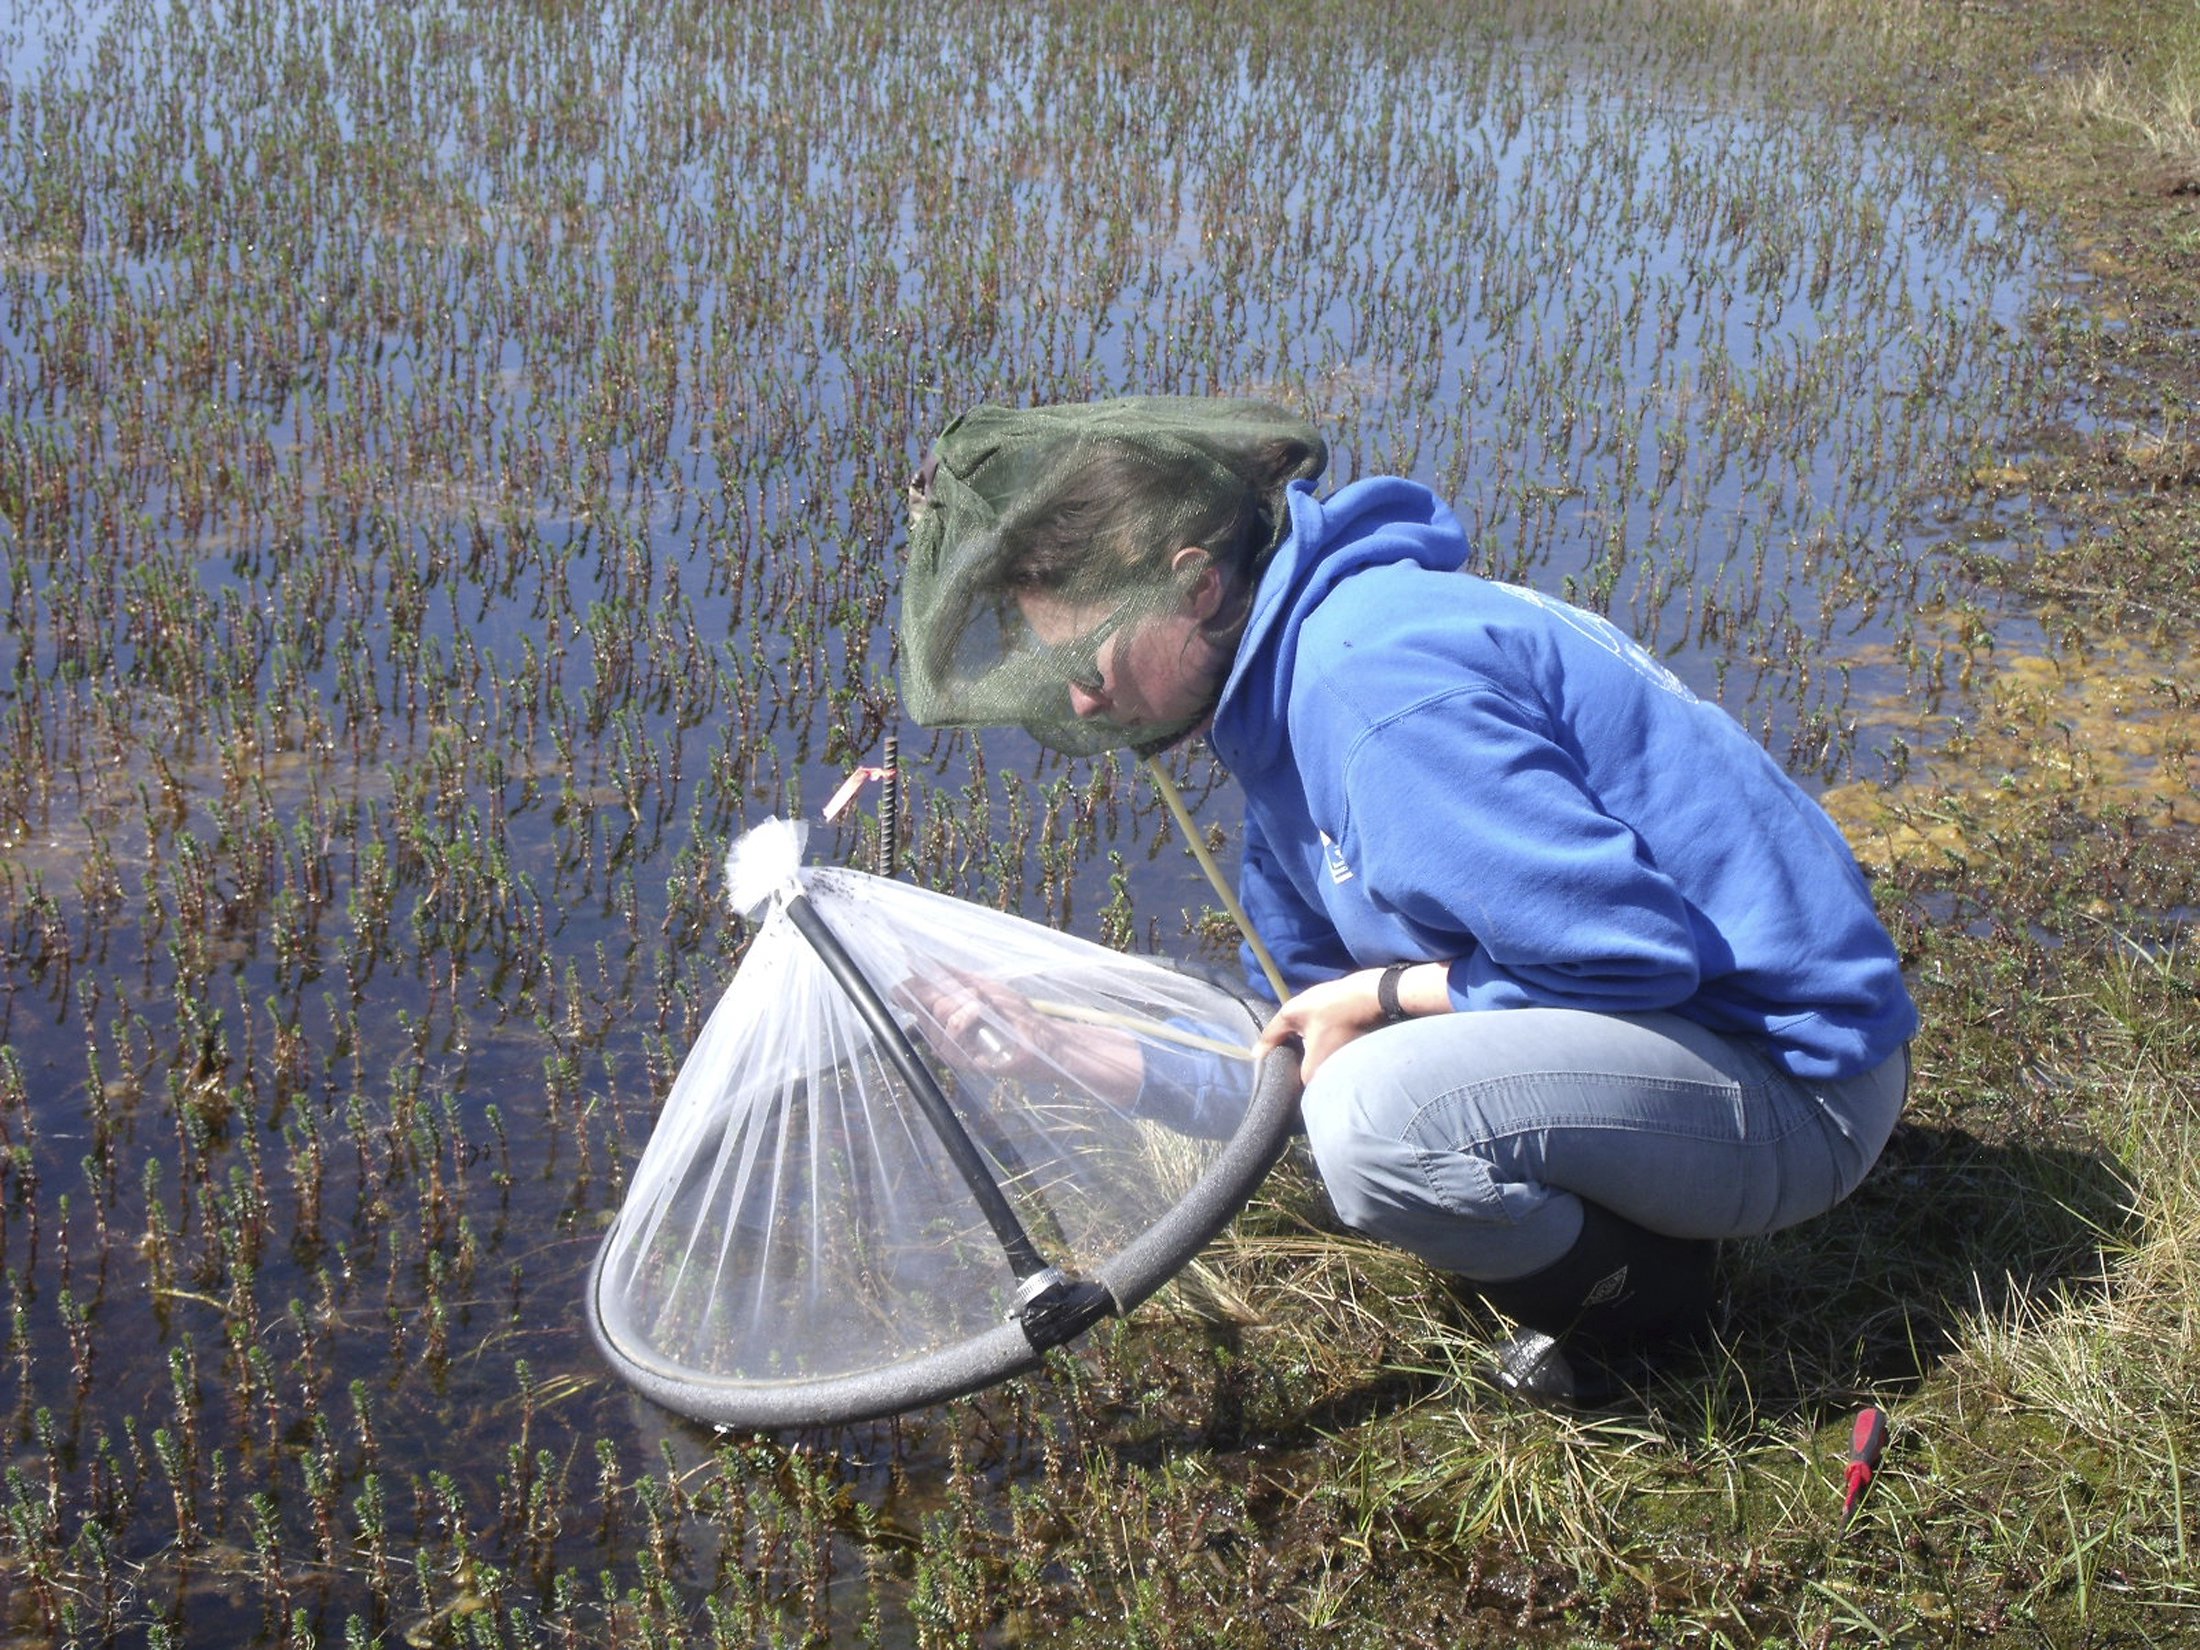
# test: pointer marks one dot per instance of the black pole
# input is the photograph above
(1024, 1258)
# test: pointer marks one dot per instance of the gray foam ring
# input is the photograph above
(1143, 1266)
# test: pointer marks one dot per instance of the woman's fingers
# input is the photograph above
(1325, 1017)
(991, 1026)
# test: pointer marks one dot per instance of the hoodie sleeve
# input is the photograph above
(1466, 818)
(1306, 947)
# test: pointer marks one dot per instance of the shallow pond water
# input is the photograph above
(451, 483)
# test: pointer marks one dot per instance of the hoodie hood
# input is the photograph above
(1367, 524)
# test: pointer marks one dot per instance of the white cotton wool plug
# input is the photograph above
(762, 864)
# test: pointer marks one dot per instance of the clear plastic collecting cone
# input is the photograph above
(807, 1241)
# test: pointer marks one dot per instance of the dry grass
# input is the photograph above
(2158, 103)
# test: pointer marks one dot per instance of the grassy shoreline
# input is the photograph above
(2041, 869)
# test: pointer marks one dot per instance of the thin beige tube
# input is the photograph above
(1183, 816)
(1139, 1024)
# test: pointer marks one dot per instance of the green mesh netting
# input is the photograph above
(1046, 549)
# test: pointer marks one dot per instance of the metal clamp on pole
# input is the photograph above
(1052, 1306)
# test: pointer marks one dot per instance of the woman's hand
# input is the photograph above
(1323, 1018)
(982, 1025)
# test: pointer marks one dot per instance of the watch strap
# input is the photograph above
(1386, 993)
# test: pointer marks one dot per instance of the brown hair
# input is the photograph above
(1127, 510)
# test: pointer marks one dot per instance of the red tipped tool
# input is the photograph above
(1867, 1442)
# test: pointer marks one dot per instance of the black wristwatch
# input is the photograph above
(1386, 994)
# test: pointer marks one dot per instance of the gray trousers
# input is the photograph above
(1470, 1139)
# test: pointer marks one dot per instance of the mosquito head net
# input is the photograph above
(1045, 542)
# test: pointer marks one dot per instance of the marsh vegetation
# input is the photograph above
(450, 467)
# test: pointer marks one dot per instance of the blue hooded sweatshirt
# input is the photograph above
(1438, 766)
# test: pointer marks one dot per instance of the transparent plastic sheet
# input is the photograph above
(798, 1244)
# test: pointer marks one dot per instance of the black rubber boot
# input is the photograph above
(1620, 1289)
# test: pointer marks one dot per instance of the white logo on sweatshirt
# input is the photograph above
(1606, 635)
(1339, 871)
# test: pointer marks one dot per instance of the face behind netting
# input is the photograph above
(1142, 672)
